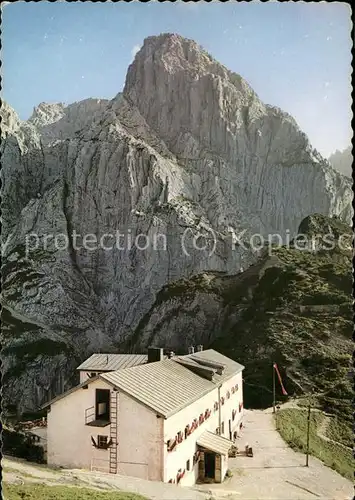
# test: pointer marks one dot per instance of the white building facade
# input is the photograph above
(172, 420)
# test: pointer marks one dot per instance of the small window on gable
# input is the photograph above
(188, 465)
(102, 442)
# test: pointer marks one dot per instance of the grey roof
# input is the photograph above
(214, 442)
(168, 386)
(112, 362)
(213, 358)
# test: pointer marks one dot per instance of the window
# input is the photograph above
(188, 465)
(102, 442)
(102, 407)
(218, 431)
(222, 428)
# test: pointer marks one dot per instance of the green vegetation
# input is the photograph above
(340, 431)
(298, 313)
(292, 425)
(44, 492)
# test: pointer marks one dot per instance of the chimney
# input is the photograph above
(155, 354)
(199, 348)
(191, 349)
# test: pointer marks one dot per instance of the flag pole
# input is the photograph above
(308, 425)
(273, 388)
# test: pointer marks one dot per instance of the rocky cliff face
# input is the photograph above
(342, 161)
(186, 151)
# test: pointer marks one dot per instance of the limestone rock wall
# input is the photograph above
(188, 145)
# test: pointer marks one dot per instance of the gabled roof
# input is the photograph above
(168, 386)
(112, 362)
(69, 391)
(214, 442)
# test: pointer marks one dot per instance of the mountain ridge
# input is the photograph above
(184, 147)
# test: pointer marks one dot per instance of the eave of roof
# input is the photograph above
(214, 442)
(70, 391)
(111, 362)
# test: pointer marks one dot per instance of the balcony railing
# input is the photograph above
(89, 415)
(93, 420)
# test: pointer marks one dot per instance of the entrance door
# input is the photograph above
(210, 466)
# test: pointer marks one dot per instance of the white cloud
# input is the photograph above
(134, 51)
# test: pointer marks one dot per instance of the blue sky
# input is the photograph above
(295, 55)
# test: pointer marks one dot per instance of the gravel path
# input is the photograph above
(18, 471)
(276, 471)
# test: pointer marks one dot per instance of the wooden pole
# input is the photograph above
(273, 389)
(219, 410)
(308, 427)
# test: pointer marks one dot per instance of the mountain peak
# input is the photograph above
(47, 113)
(176, 53)
(180, 90)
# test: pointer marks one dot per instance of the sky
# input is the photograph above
(296, 56)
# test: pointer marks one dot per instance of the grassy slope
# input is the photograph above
(44, 492)
(292, 425)
(299, 315)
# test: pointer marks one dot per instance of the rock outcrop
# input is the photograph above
(342, 161)
(186, 156)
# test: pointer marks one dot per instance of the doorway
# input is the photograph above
(210, 465)
(102, 406)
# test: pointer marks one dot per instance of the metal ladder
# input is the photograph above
(113, 432)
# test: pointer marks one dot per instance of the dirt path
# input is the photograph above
(276, 472)
(18, 471)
